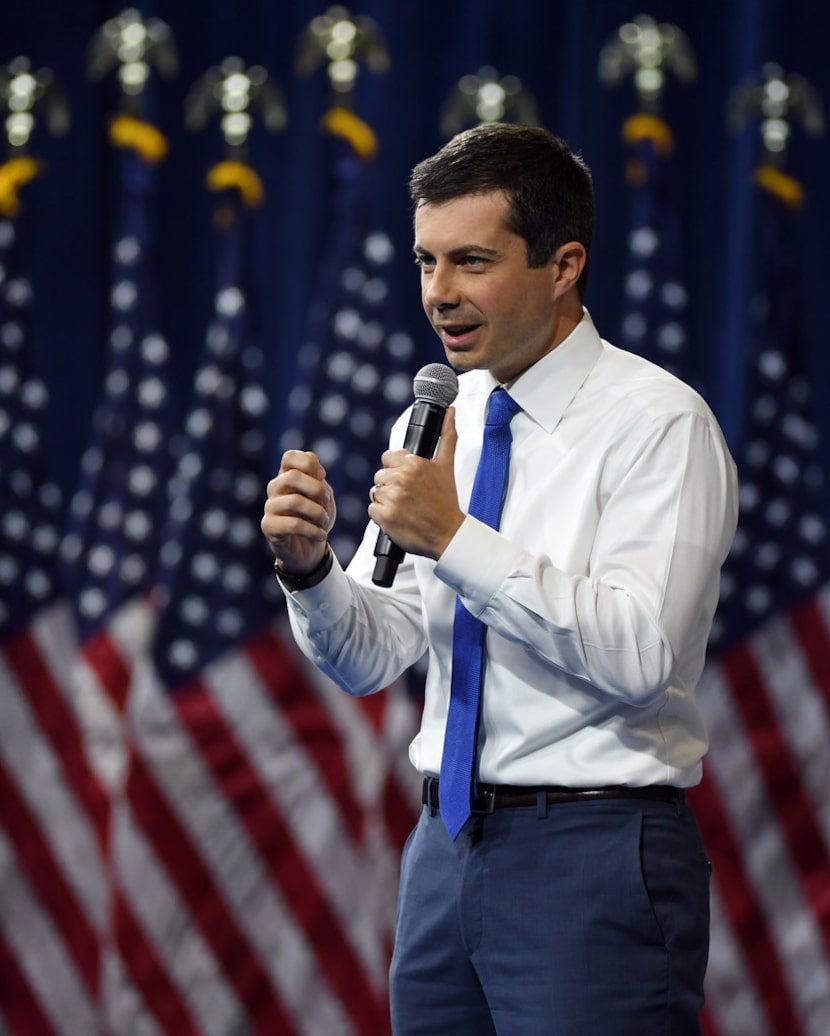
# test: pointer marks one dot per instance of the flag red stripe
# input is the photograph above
(708, 1027)
(744, 911)
(808, 622)
(189, 874)
(398, 814)
(19, 1007)
(782, 780)
(59, 727)
(49, 883)
(114, 674)
(374, 708)
(148, 973)
(311, 722)
(278, 849)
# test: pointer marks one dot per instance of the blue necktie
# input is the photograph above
(457, 782)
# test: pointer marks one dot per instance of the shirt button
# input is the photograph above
(324, 606)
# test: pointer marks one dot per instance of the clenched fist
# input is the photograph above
(299, 512)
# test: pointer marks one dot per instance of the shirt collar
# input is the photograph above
(544, 390)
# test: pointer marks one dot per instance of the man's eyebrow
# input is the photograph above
(460, 251)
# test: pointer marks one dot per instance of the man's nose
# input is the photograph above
(441, 290)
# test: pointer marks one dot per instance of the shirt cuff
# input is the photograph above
(477, 562)
(323, 604)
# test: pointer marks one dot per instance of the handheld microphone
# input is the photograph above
(435, 387)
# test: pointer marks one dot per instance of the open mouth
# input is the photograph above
(457, 330)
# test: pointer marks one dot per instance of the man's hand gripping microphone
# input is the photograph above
(435, 387)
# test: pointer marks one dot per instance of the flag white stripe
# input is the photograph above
(101, 726)
(40, 951)
(40, 780)
(731, 995)
(123, 1008)
(800, 711)
(128, 631)
(130, 628)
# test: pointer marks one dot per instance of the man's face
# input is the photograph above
(488, 307)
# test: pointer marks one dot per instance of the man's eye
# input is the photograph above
(424, 261)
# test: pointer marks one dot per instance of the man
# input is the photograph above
(574, 899)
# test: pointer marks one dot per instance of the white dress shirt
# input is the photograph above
(598, 589)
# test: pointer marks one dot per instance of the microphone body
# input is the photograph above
(436, 386)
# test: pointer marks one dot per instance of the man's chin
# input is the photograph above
(460, 359)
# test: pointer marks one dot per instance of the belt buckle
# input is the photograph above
(485, 794)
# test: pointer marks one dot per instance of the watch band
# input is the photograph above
(292, 583)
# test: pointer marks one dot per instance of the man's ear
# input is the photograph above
(570, 260)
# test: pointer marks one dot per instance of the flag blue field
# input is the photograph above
(655, 299)
(112, 533)
(355, 369)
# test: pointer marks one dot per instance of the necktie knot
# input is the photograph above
(502, 408)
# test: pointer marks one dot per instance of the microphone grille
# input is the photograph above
(436, 383)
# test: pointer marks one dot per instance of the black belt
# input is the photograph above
(501, 796)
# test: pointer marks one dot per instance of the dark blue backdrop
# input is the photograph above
(552, 46)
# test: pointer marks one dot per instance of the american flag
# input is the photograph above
(764, 806)
(53, 812)
(354, 378)
(112, 534)
(655, 298)
(255, 851)
(355, 368)
(113, 528)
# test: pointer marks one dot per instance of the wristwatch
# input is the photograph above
(292, 583)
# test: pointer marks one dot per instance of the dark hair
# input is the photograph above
(548, 187)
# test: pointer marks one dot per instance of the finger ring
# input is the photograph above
(372, 492)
